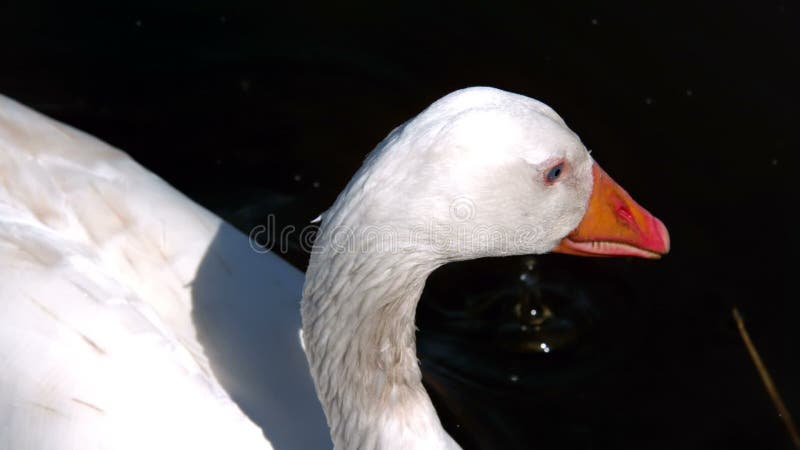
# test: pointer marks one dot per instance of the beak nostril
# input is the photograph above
(625, 214)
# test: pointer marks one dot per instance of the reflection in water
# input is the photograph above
(508, 358)
(542, 316)
(527, 312)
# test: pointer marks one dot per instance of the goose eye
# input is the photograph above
(554, 173)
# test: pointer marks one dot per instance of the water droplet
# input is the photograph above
(530, 263)
(544, 347)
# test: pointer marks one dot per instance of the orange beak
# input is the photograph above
(615, 225)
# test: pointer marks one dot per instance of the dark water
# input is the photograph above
(257, 108)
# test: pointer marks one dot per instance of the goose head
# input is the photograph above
(481, 172)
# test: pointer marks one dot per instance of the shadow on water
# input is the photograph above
(247, 316)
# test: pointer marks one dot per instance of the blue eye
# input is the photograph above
(554, 173)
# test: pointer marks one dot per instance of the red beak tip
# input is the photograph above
(664, 235)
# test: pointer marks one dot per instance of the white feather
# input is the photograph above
(135, 319)
(130, 313)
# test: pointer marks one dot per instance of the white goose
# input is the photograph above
(133, 318)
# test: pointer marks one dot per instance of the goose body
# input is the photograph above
(134, 318)
(131, 315)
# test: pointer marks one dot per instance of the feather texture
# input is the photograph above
(130, 313)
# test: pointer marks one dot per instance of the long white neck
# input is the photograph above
(358, 321)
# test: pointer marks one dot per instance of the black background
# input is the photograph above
(253, 107)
